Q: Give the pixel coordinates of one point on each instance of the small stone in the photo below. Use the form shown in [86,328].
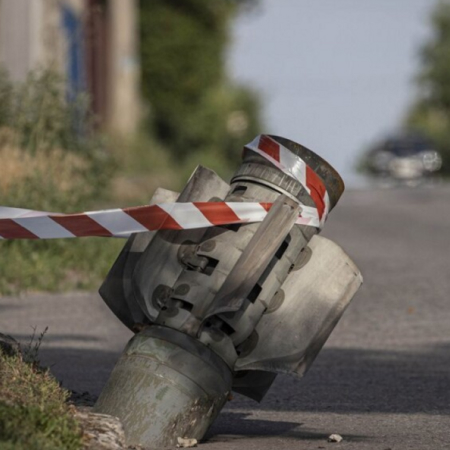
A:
[186,443]
[335,438]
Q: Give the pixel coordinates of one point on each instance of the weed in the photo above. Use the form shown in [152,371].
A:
[33,410]
[30,352]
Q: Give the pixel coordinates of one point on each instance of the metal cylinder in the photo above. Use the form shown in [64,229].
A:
[258,169]
[165,385]
[202,293]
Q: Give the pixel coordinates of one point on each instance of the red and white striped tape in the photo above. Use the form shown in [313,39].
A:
[294,166]
[18,223]
[26,224]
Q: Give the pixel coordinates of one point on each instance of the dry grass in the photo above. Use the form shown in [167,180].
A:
[50,161]
[19,167]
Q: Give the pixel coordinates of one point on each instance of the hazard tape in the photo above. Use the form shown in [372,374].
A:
[16,223]
[294,166]
[26,224]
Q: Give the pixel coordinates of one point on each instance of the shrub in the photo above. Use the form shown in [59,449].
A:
[430,112]
[192,101]
[51,159]
[34,414]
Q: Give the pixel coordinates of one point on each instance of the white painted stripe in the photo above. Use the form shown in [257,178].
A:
[293,165]
[290,164]
[310,221]
[186,215]
[44,227]
[117,222]
[327,208]
[303,221]
[248,212]
[11,213]
[255,142]
[310,214]
[309,211]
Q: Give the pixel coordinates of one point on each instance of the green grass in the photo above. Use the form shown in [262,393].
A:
[47,163]
[56,265]
[34,414]
[52,160]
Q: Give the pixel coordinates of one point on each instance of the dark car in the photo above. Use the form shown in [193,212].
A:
[405,156]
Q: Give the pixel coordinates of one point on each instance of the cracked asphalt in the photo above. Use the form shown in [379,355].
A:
[382,380]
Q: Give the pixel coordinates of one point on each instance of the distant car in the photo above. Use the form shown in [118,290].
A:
[406,156]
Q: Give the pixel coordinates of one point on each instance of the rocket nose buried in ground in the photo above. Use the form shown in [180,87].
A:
[214,297]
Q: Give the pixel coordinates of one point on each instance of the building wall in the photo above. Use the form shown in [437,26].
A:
[15,37]
[54,34]
[124,107]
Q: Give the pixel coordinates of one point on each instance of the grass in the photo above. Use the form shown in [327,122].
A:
[144,165]
[56,265]
[59,181]
[50,180]
[34,414]
[51,160]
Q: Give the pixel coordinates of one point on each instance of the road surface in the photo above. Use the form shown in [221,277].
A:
[383,379]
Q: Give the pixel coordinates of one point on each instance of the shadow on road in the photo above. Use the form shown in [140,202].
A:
[233,426]
[55,338]
[341,381]
[358,381]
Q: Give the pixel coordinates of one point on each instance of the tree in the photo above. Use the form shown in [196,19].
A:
[194,107]
[431,112]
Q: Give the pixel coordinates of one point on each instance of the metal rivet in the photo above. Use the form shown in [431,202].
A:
[182,289]
[208,246]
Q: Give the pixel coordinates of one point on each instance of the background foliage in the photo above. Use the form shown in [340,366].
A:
[431,112]
[51,160]
[196,111]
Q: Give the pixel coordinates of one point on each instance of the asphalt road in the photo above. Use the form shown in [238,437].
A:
[383,379]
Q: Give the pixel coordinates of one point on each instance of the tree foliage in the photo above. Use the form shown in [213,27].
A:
[431,112]
[194,107]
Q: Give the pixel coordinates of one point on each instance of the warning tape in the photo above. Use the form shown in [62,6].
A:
[16,223]
[292,165]
[124,222]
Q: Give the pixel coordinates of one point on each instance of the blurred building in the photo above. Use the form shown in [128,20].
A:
[93,43]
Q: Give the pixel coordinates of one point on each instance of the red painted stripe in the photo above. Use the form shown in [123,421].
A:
[12,230]
[266,206]
[153,218]
[218,213]
[269,146]
[318,190]
[81,225]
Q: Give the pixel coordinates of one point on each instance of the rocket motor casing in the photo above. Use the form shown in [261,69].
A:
[216,288]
